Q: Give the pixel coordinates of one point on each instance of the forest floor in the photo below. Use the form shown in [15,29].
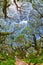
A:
[32,60]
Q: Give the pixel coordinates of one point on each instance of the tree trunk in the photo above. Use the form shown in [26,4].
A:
[16,4]
[4,8]
[34,38]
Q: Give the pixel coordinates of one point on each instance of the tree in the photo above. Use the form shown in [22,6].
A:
[5,8]
[16,4]
[35,24]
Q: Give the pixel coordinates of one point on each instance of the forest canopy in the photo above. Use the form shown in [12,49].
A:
[21,30]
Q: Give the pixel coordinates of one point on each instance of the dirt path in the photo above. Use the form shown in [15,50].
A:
[20,62]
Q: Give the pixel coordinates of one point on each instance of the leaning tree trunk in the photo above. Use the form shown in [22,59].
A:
[34,39]
[36,46]
[41,43]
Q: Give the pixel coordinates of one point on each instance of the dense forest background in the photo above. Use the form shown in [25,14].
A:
[21,31]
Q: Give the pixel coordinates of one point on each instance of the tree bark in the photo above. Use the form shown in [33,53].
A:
[4,8]
[16,4]
[34,38]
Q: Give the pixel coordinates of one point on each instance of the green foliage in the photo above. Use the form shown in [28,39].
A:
[3,36]
[26,30]
[5,33]
[23,38]
[8,61]
[20,39]
[34,59]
